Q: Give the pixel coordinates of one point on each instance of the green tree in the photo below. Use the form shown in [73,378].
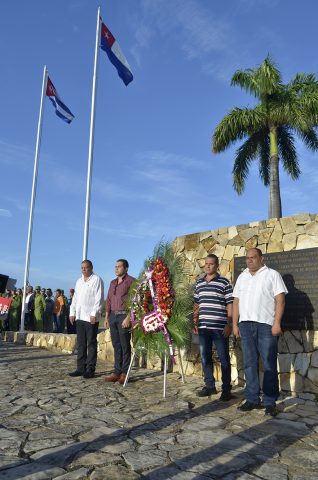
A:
[269,129]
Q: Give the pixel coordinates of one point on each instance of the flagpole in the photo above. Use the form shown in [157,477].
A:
[33,195]
[91,139]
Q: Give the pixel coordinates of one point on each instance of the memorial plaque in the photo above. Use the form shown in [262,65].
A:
[299,269]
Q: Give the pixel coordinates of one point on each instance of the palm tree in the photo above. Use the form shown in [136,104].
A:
[269,129]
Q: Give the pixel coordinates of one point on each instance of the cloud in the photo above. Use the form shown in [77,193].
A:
[5,213]
[190,25]
[15,156]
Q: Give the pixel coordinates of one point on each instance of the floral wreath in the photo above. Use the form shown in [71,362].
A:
[160,306]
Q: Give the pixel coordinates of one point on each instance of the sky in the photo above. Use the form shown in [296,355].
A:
[154,175]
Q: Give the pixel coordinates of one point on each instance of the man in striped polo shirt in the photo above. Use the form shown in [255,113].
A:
[212,319]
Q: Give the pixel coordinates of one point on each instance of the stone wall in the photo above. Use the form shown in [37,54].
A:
[298,350]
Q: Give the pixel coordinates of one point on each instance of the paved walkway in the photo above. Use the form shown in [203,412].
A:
[54,426]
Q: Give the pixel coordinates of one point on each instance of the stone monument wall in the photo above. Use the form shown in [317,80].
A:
[298,349]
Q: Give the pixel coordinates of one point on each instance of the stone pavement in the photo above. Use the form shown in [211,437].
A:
[54,426]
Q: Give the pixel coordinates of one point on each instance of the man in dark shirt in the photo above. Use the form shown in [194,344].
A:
[118,321]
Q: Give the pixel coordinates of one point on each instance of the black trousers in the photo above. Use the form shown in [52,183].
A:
[86,346]
[121,343]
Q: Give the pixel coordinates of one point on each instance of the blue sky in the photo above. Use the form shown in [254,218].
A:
[154,174]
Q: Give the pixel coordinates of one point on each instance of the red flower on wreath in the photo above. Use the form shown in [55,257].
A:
[163,288]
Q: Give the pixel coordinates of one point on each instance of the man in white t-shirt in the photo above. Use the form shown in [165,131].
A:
[258,307]
[85,310]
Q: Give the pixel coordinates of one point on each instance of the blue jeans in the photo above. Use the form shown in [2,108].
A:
[57,323]
[222,347]
[257,340]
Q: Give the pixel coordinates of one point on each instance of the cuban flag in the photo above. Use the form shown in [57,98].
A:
[115,55]
[61,109]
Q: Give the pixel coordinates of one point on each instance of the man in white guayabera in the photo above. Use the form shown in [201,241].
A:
[258,307]
[85,310]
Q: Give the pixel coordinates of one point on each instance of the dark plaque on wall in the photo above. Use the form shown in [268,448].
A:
[299,269]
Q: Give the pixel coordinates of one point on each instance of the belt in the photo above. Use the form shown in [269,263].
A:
[119,312]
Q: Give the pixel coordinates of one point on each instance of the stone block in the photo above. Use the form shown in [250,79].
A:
[191,241]
[60,341]
[293,345]
[273,247]
[286,362]
[302,218]
[277,233]
[289,241]
[306,241]
[219,250]
[314,359]
[288,224]
[224,267]
[313,375]
[222,240]
[197,269]
[291,382]
[200,252]
[312,229]
[248,233]
[29,339]
[301,364]
[309,340]
[271,222]
[263,248]
[309,386]
[179,244]
[223,231]
[229,252]
[209,243]
[237,240]
[207,234]
[241,252]
[300,229]
[252,242]
[265,235]
[242,226]
[232,232]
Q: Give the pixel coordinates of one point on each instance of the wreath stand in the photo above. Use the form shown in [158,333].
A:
[138,351]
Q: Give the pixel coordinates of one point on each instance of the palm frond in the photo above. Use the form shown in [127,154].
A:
[268,77]
[239,123]
[264,156]
[245,80]
[287,152]
[310,139]
[244,156]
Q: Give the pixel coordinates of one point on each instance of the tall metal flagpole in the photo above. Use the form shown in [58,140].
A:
[91,139]
[33,195]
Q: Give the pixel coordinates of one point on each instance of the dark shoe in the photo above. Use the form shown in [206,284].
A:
[271,411]
[226,396]
[112,378]
[122,378]
[88,374]
[77,373]
[248,406]
[207,392]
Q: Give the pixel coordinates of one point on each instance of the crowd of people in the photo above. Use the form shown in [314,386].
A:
[43,312]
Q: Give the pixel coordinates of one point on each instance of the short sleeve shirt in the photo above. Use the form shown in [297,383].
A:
[256,294]
[213,298]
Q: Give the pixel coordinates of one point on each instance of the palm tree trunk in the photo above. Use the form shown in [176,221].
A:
[275,204]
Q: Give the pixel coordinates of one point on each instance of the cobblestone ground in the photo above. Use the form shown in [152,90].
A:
[54,426]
